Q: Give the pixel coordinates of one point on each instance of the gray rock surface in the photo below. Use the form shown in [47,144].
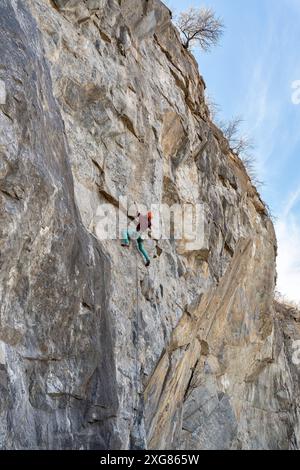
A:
[96,351]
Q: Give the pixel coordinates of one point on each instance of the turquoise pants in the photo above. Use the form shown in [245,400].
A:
[127,235]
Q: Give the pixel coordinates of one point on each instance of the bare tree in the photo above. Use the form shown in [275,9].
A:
[213,107]
[290,304]
[200,26]
[240,144]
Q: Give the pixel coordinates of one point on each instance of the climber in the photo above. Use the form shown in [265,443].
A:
[143,224]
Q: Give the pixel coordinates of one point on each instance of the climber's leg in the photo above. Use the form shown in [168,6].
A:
[125,238]
[128,235]
[142,250]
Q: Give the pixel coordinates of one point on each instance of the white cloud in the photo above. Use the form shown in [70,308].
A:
[269,97]
[291,202]
[296,92]
[288,262]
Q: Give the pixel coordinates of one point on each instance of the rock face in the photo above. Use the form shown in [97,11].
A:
[97,351]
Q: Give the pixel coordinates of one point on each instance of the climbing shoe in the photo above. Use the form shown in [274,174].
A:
[147,264]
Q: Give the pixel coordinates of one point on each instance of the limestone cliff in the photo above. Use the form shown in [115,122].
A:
[96,351]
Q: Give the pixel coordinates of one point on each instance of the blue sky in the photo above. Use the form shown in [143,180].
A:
[250,74]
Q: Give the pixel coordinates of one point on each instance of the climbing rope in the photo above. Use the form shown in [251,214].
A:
[136,404]
[137,328]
